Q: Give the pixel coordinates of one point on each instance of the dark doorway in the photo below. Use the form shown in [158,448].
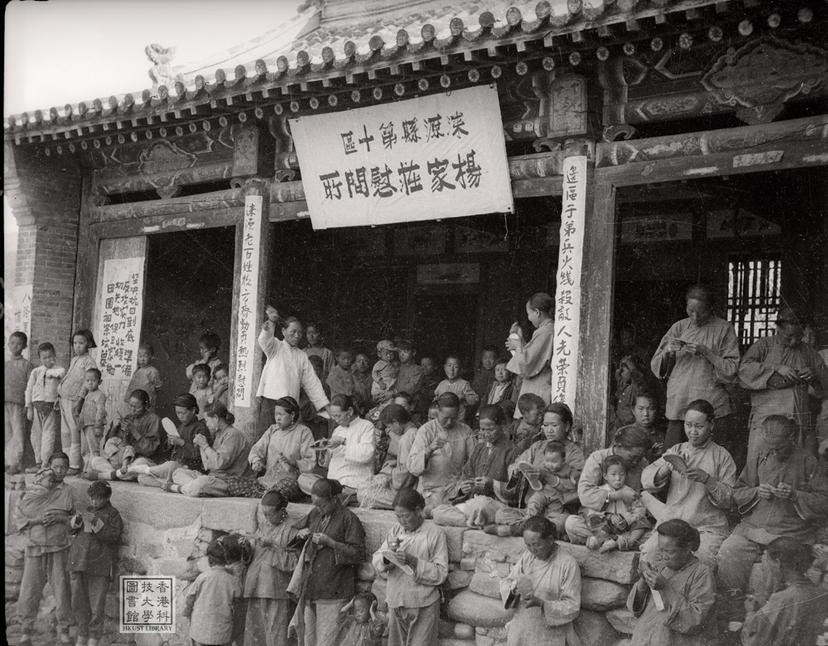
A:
[189,291]
[445,324]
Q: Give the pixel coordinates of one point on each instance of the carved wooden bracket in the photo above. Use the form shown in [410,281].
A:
[763,74]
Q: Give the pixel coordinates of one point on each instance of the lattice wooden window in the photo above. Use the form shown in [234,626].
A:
[753,296]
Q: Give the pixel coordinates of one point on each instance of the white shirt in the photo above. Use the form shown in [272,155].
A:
[352,464]
[286,371]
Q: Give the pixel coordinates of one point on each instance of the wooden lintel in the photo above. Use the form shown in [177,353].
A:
[536,187]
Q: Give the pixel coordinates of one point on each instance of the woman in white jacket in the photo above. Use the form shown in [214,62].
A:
[287,369]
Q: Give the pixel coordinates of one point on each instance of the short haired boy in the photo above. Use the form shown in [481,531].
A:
[411,376]
[555,480]
[92,560]
[17,374]
[41,404]
[221,385]
[91,417]
[454,383]
[146,376]
[621,523]
[340,379]
[484,375]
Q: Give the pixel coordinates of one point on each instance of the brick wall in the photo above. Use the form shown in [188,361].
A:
[46,197]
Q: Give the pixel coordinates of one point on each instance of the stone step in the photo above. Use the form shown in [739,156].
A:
[619,567]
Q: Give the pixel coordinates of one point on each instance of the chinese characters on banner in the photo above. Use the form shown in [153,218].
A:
[247,332]
[119,317]
[427,158]
[147,604]
[21,313]
[568,292]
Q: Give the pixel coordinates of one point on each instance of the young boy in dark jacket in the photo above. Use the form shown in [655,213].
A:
[92,560]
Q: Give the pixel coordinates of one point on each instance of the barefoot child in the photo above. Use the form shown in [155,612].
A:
[17,374]
[70,390]
[91,415]
[622,522]
[210,600]
[275,556]
[672,602]
[41,403]
[553,482]
[92,560]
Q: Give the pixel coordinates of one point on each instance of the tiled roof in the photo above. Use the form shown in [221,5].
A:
[310,49]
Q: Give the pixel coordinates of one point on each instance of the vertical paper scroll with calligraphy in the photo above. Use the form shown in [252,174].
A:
[119,317]
[426,158]
[19,313]
[247,329]
[568,292]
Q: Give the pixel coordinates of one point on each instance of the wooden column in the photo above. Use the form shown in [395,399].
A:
[597,288]
[249,313]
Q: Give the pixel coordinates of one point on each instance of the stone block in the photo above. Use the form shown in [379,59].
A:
[458,579]
[453,641]
[445,628]
[623,642]
[229,514]
[131,565]
[622,620]
[600,595]
[468,563]
[593,628]
[620,567]
[477,610]
[150,550]
[485,584]
[463,631]
[483,640]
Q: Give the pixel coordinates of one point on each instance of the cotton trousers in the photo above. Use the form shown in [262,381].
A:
[15,433]
[89,602]
[52,567]
[158,474]
[512,516]
[196,484]
[90,443]
[45,425]
[579,533]
[70,437]
[266,622]
[413,626]
[323,622]
[737,556]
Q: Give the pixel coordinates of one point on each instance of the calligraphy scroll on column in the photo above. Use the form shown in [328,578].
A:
[247,327]
[117,329]
[568,292]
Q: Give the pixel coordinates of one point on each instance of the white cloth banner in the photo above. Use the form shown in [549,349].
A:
[247,328]
[119,317]
[18,311]
[436,156]
[568,291]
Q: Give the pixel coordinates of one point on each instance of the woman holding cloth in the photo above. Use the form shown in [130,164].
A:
[533,360]
[546,584]
[415,574]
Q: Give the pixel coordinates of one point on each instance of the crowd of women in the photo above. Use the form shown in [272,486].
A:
[700,498]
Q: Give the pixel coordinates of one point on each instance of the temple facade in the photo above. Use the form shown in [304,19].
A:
[685,140]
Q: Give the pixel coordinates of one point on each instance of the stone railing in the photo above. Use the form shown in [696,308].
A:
[167,533]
